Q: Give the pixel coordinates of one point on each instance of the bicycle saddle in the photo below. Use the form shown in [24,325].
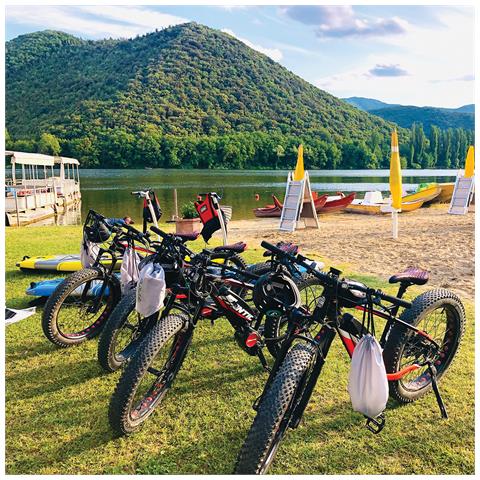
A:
[238,247]
[287,247]
[414,275]
[187,237]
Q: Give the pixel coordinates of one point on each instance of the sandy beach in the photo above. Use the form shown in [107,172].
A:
[429,238]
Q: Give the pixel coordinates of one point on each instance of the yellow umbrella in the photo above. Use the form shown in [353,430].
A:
[470,162]
[299,169]
[395,182]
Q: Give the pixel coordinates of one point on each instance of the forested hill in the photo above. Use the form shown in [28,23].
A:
[185,96]
[406,116]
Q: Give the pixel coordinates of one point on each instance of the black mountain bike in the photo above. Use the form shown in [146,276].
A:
[418,347]
[125,328]
[77,309]
[209,294]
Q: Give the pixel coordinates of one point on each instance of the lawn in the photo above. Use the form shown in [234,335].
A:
[57,401]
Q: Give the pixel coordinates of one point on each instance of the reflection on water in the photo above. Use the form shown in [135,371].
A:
[72,216]
[108,191]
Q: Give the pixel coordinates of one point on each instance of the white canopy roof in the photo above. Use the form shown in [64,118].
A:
[65,160]
[30,158]
[38,159]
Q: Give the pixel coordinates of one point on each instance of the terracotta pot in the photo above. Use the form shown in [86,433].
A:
[188,225]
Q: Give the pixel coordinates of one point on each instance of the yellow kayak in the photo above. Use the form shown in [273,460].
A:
[57,263]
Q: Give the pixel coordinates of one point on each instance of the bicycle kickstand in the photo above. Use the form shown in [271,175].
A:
[433,374]
[263,361]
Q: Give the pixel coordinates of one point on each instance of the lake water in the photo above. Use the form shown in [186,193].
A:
[108,191]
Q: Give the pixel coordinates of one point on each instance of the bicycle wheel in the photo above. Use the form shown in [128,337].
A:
[149,374]
[439,313]
[274,412]
[275,326]
[121,335]
[75,312]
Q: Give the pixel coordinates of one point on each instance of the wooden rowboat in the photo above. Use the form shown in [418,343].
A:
[336,203]
[275,210]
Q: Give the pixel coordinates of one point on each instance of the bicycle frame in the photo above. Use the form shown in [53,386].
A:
[350,331]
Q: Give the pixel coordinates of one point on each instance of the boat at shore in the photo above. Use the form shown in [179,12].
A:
[381,208]
[375,204]
[45,187]
[324,204]
[428,194]
[446,192]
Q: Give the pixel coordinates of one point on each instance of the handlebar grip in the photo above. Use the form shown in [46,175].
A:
[159,232]
[272,248]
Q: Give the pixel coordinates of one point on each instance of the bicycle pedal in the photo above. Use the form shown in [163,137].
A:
[375,425]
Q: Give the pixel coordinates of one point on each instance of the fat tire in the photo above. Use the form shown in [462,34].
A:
[123,396]
[272,409]
[55,302]
[399,336]
[106,353]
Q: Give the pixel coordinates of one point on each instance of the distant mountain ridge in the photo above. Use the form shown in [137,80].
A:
[406,115]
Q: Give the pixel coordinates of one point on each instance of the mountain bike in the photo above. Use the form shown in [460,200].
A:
[418,348]
[152,369]
[77,309]
[125,327]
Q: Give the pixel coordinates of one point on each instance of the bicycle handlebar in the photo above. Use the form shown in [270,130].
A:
[328,278]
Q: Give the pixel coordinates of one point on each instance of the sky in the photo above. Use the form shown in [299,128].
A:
[411,55]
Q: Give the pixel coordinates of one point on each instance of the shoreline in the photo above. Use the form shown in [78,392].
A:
[429,238]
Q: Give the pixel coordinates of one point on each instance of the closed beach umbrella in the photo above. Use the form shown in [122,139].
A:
[470,162]
[395,182]
[299,169]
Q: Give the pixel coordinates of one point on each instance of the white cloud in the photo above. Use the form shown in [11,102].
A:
[341,21]
[94,21]
[439,60]
[274,53]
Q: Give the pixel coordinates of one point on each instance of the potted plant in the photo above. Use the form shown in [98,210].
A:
[189,222]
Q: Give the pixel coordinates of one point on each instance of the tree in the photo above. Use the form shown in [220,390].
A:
[49,144]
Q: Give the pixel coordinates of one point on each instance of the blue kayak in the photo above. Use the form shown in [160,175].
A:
[46,287]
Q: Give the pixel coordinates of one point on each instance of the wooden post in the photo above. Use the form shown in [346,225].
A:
[16,206]
[175,204]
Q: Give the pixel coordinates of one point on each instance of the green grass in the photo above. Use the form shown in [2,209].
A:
[57,401]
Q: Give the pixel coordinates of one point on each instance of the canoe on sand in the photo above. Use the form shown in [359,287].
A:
[380,208]
[324,204]
[427,194]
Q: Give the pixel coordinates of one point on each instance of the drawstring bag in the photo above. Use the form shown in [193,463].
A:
[129,270]
[88,252]
[367,382]
[151,288]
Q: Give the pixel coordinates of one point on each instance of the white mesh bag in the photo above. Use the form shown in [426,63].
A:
[367,382]
[150,290]
[88,252]
[129,270]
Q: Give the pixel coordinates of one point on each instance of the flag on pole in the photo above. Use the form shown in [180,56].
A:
[395,174]
[299,168]
[470,163]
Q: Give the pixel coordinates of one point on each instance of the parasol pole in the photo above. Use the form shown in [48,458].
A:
[395,183]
